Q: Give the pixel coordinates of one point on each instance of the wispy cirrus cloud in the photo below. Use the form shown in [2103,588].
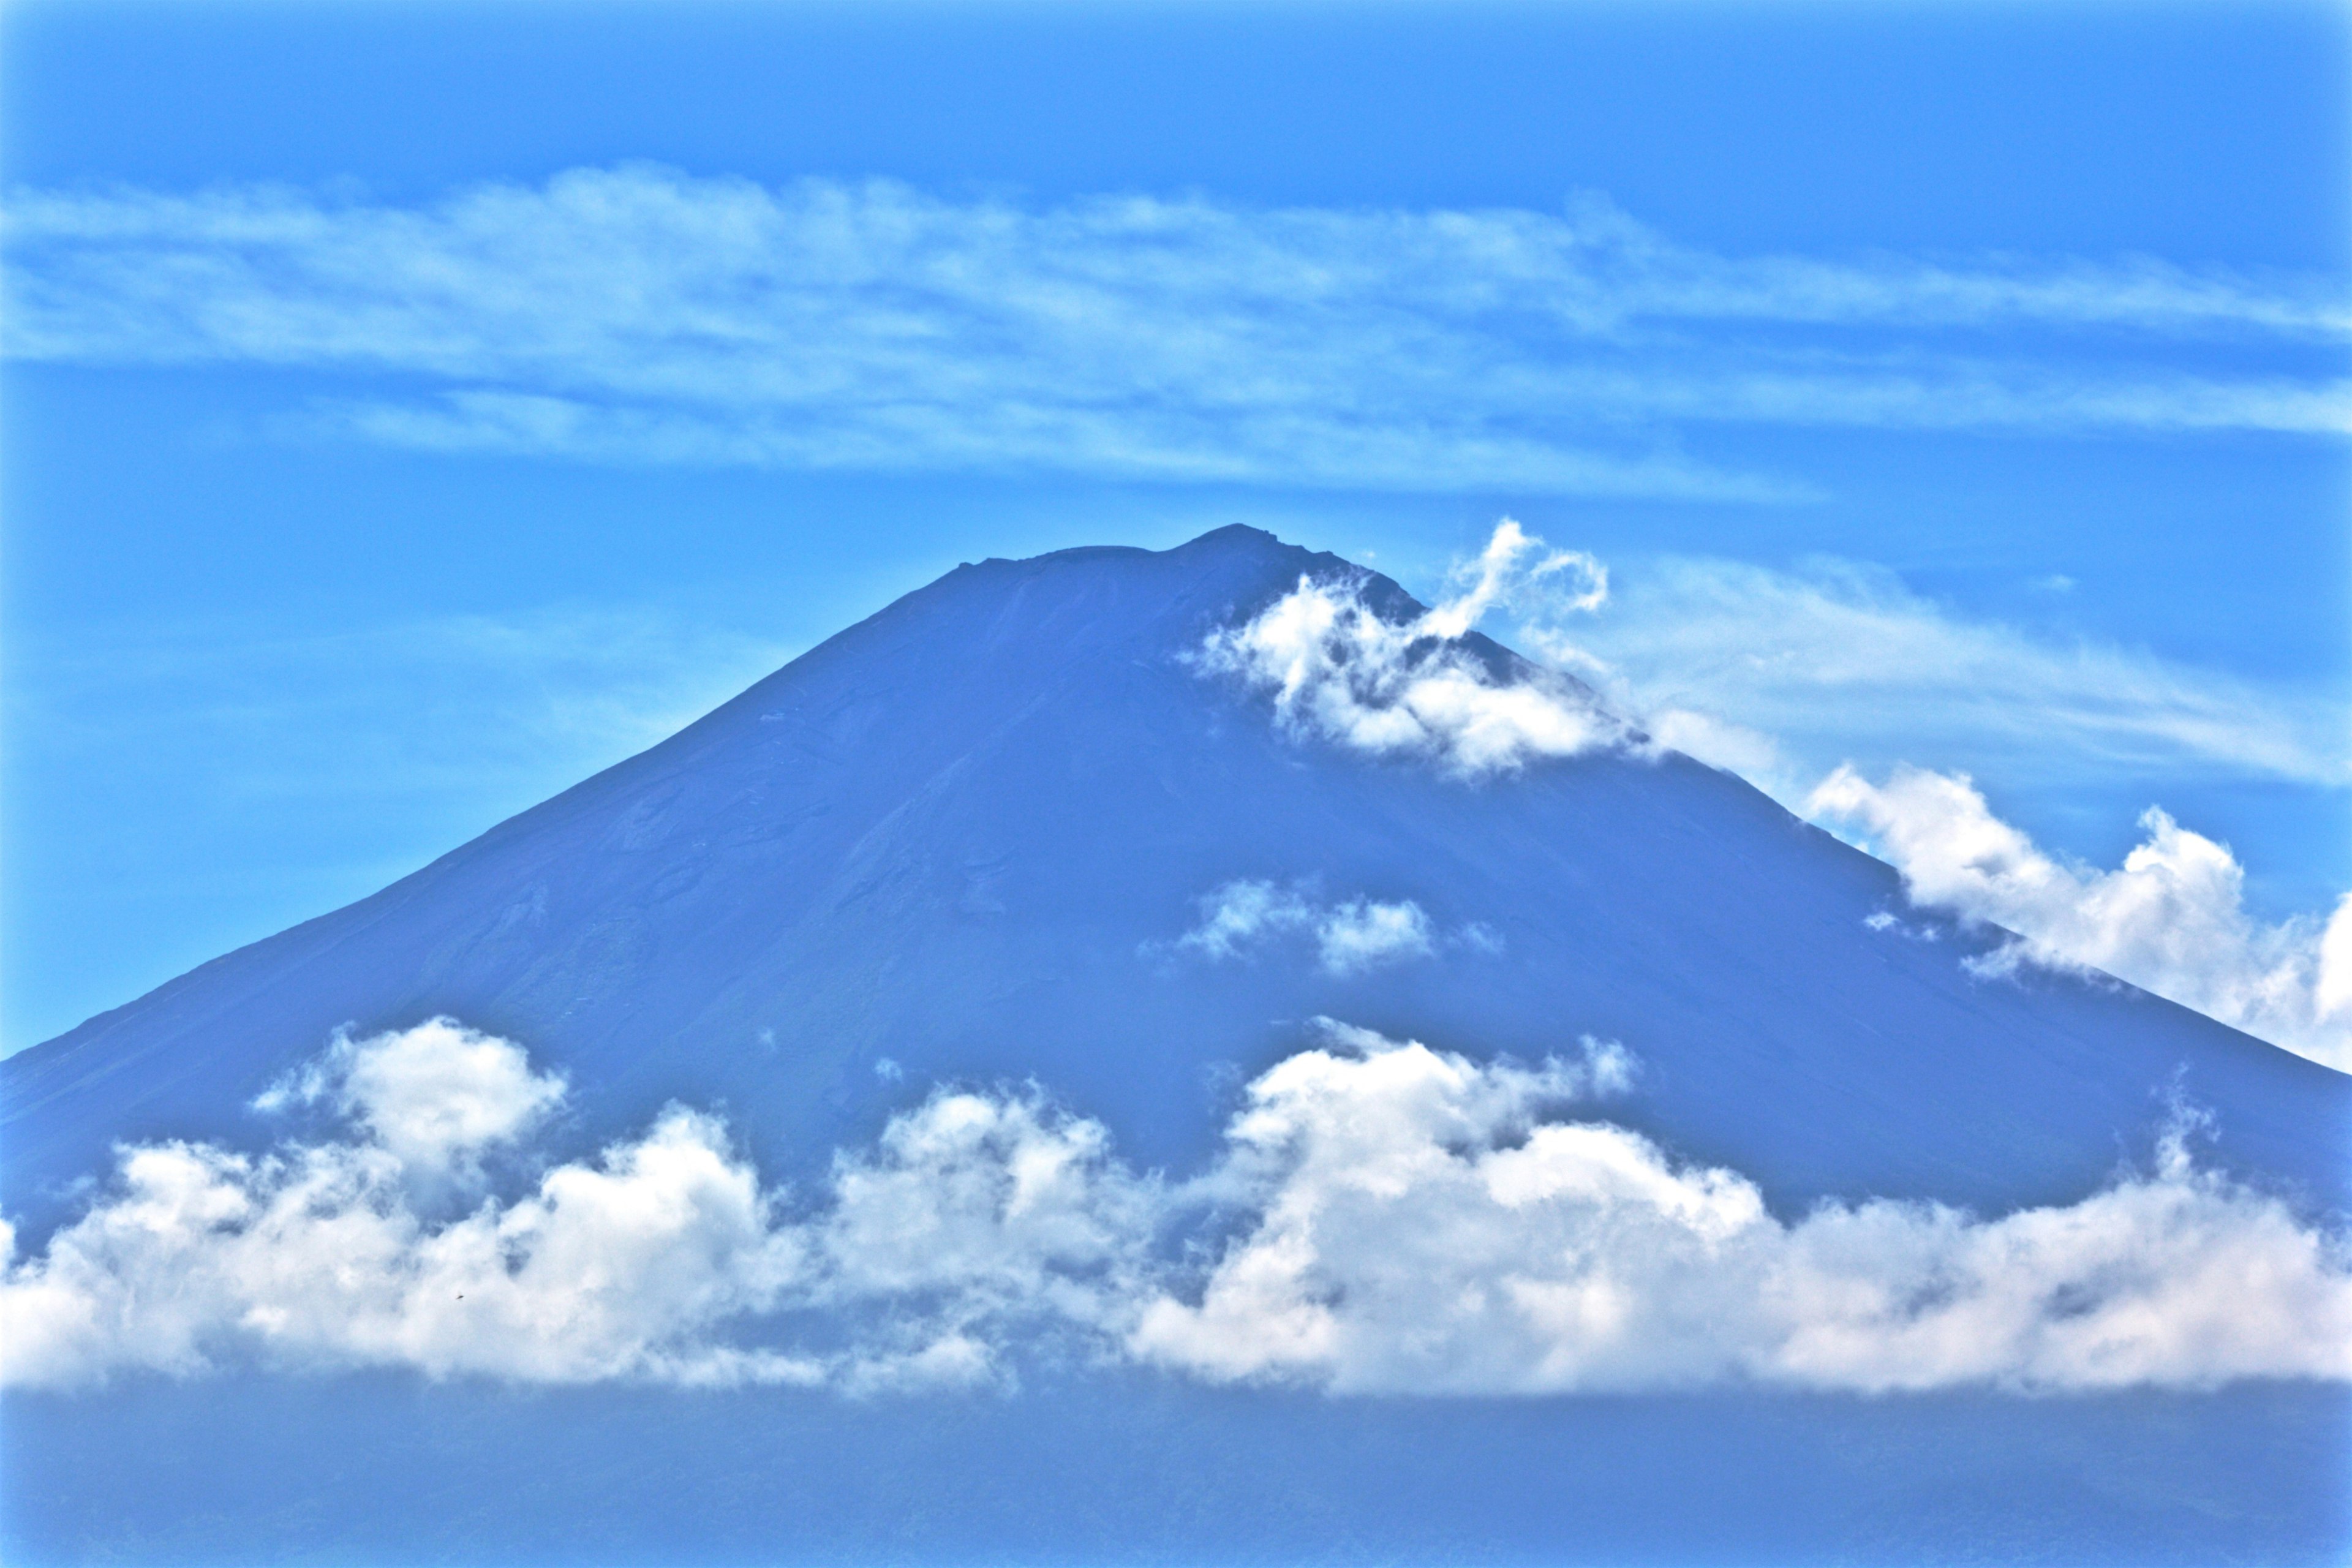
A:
[641,314]
[1380,1218]
[1781,673]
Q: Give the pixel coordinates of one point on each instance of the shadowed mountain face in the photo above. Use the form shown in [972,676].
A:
[962,837]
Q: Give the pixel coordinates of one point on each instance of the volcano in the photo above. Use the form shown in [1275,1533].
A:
[959,838]
[989,836]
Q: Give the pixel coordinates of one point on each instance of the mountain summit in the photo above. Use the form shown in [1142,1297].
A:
[991,832]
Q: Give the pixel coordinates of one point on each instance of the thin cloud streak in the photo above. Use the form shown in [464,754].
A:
[1302,446]
[1780,674]
[1776,675]
[642,315]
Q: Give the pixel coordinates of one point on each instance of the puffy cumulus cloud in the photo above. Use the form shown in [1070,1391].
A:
[1337,668]
[634,1264]
[314,1257]
[974,1213]
[1414,1222]
[1381,1218]
[2172,918]
[324,1254]
[1363,934]
[434,1097]
[1349,936]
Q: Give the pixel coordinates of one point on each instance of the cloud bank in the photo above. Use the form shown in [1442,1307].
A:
[1416,1223]
[1382,1218]
[2172,918]
[352,1252]
[1341,670]
[640,314]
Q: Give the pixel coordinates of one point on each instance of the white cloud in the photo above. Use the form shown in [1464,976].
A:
[979,1214]
[1362,934]
[1836,659]
[1777,675]
[1394,1219]
[642,314]
[321,1254]
[1416,1223]
[1340,670]
[2172,918]
[314,1257]
[1349,935]
[632,1265]
[1342,448]
[434,1097]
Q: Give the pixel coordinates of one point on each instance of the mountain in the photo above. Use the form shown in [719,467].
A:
[961,839]
[985,836]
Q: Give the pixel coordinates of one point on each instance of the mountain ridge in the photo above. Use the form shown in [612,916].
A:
[950,836]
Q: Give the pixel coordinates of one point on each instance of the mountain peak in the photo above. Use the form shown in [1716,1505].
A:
[969,836]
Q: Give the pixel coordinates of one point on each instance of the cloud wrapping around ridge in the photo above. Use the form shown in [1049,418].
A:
[1382,1218]
[2172,918]
[1350,936]
[1338,669]
[642,314]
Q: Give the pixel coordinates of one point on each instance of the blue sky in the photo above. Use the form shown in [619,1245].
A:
[411,410]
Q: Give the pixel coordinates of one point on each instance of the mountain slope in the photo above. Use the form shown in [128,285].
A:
[961,838]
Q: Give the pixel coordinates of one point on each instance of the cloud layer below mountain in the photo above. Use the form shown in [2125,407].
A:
[640,314]
[1382,1218]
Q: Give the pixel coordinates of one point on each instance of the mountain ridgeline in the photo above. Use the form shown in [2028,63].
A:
[960,841]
